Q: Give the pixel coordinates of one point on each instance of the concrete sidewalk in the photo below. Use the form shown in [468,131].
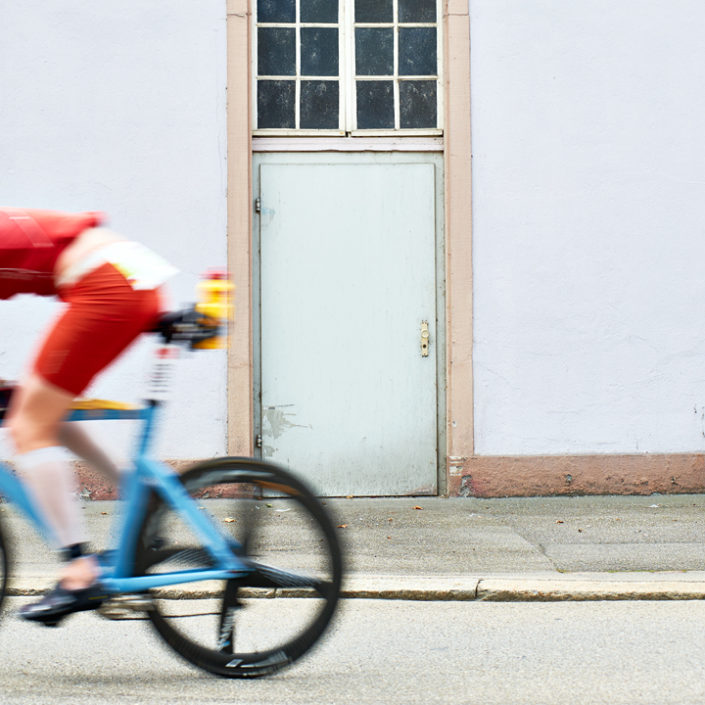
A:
[559,548]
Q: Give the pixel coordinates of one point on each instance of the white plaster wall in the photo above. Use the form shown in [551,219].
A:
[120,107]
[588,124]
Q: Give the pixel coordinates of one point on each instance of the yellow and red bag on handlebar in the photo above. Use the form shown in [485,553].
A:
[215,294]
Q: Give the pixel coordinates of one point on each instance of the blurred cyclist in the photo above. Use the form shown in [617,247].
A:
[112,288]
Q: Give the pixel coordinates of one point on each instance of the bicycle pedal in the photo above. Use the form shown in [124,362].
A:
[125,606]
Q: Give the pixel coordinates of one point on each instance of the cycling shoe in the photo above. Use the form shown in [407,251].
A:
[60,602]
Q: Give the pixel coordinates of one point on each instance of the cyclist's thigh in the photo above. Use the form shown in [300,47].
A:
[104,315]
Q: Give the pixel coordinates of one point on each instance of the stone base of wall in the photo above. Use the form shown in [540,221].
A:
[92,485]
[528,476]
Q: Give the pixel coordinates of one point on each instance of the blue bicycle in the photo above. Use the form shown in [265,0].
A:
[236,563]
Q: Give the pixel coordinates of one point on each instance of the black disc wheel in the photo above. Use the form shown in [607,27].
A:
[256,624]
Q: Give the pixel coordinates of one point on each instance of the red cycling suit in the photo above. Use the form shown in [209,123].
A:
[105,311]
[31,242]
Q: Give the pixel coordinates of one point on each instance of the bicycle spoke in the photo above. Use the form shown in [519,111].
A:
[181,558]
[249,525]
[265,576]
[226,623]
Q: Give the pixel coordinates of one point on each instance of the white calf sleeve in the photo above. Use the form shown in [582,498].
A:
[81,444]
[52,484]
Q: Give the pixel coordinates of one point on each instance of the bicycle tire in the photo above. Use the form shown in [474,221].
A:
[250,497]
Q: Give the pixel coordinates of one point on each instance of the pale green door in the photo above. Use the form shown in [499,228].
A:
[348,287]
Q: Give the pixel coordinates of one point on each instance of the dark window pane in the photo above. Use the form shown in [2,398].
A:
[417,51]
[375,105]
[417,104]
[276,51]
[319,105]
[374,51]
[275,104]
[319,51]
[417,11]
[276,10]
[319,11]
[374,11]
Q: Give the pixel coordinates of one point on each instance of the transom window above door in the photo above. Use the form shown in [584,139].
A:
[347,66]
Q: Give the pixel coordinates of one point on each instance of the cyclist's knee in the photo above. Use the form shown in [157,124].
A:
[27,435]
[35,414]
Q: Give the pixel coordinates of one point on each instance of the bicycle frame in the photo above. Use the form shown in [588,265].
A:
[117,565]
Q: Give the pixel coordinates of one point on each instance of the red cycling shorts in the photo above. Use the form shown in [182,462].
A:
[104,315]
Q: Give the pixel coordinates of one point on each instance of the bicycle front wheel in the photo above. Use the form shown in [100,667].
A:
[257,624]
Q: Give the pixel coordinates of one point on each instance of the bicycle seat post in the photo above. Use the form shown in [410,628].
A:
[159,386]
[161,375]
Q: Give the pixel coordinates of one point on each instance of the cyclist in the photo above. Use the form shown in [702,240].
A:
[112,289]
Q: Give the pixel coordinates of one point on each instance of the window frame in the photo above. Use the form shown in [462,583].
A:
[347,78]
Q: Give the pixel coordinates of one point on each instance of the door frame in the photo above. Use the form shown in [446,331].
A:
[456,145]
[334,158]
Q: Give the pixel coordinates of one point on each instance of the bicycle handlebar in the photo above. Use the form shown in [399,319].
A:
[187,327]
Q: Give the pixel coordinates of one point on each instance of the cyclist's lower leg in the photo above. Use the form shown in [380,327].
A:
[75,439]
[33,422]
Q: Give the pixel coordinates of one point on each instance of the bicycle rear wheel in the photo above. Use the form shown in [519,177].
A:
[254,625]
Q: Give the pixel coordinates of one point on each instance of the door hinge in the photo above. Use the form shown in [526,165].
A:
[258,205]
[258,440]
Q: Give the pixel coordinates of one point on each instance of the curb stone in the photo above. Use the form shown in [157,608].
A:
[528,590]
[462,589]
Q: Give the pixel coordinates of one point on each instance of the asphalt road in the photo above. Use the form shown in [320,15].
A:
[385,652]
